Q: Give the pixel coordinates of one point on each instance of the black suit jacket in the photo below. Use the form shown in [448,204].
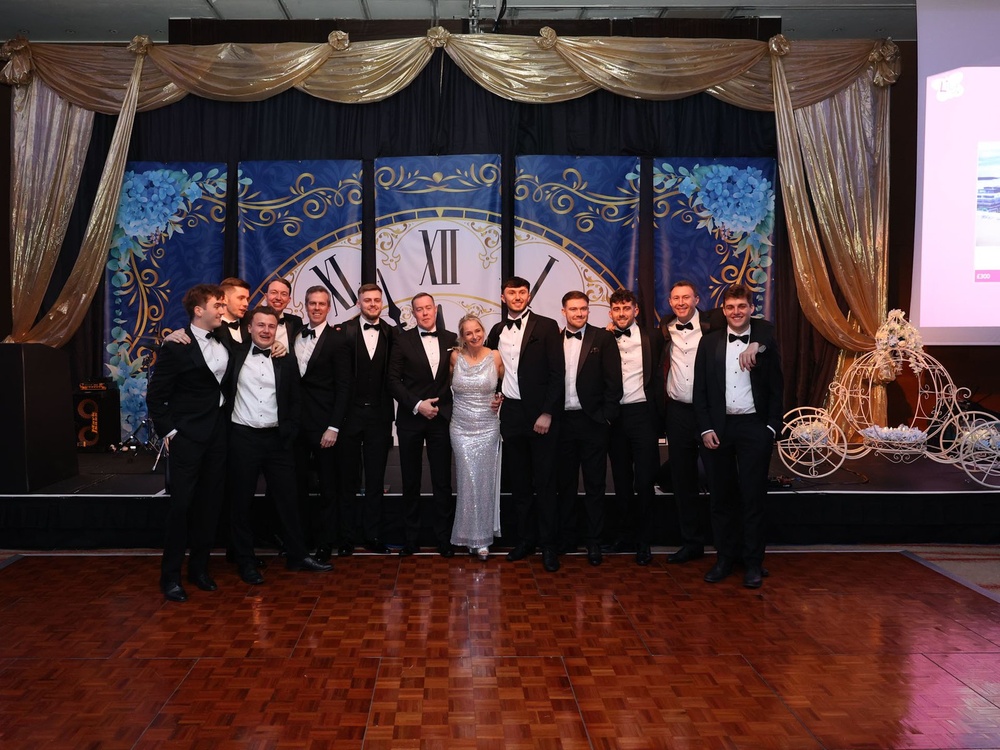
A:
[348,339]
[326,383]
[226,334]
[411,379]
[710,379]
[541,369]
[286,382]
[183,393]
[293,324]
[599,375]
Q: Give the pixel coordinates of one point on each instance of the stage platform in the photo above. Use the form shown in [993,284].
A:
[118,501]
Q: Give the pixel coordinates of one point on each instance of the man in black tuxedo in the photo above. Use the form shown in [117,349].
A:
[532,392]
[593,392]
[682,332]
[739,413]
[635,432]
[237,293]
[418,380]
[325,382]
[277,296]
[186,400]
[266,406]
[366,435]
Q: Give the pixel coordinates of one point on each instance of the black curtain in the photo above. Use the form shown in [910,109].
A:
[444,112]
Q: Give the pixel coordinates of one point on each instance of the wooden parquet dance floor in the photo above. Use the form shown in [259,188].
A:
[858,650]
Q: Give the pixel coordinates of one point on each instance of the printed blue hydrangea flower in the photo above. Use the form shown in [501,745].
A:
[150,201]
[738,199]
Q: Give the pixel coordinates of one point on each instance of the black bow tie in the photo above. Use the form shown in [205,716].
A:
[234,324]
[308,333]
[429,333]
[212,336]
[257,350]
[577,335]
[626,332]
[689,326]
[371,326]
[281,320]
[745,338]
[514,322]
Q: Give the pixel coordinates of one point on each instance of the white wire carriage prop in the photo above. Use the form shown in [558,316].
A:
[813,443]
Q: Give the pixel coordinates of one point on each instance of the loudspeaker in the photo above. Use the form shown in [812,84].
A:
[36,417]
[96,416]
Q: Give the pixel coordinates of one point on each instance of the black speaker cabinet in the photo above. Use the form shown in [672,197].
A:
[36,417]
[97,417]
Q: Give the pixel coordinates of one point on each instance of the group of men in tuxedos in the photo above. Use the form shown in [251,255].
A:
[265,393]
[237,394]
[724,395]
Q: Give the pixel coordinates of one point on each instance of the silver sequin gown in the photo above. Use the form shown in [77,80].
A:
[475,441]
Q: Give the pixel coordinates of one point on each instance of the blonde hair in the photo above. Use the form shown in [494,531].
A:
[468,319]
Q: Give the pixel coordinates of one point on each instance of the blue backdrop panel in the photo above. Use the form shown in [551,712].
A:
[577,227]
[301,220]
[168,237]
[714,226]
[437,222]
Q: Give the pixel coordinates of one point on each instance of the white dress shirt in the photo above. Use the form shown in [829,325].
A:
[510,355]
[739,395]
[630,349]
[256,402]
[683,348]
[571,351]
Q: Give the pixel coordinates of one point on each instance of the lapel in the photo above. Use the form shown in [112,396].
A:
[589,333]
[196,353]
[443,354]
[276,364]
[321,340]
[720,361]
[529,326]
[647,357]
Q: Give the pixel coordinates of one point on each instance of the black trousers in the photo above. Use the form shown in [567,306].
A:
[685,447]
[412,437]
[318,512]
[583,449]
[362,450]
[529,469]
[197,486]
[633,447]
[737,480]
[252,452]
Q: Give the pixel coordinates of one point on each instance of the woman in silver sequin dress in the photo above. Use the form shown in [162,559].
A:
[475,438]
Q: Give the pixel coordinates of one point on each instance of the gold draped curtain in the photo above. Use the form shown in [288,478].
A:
[830,101]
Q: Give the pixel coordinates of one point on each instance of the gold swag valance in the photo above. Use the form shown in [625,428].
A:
[830,100]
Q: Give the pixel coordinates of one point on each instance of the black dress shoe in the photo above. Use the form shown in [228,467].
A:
[687,553]
[203,581]
[345,550]
[377,546]
[408,549]
[722,569]
[173,592]
[250,574]
[446,550]
[323,553]
[753,578]
[643,556]
[594,556]
[550,560]
[520,552]
[310,564]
